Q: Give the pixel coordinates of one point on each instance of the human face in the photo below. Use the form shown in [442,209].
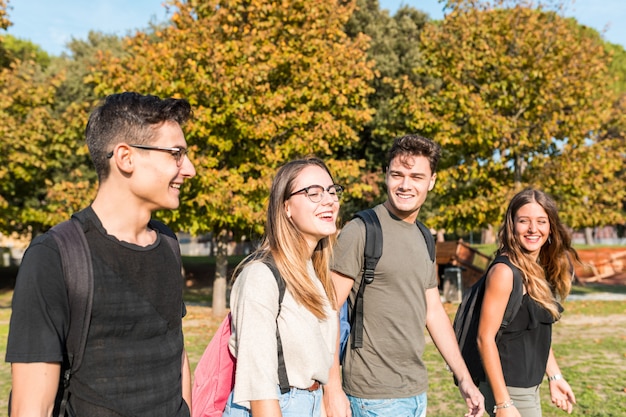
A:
[532,228]
[408,180]
[314,220]
[158,175]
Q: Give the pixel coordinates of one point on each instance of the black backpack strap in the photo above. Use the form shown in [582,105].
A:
[428,237]
[283,380]
[373,251]
[78,274]
[169,236]
[517,294]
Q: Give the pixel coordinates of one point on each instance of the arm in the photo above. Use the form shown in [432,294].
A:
[335,400]
[498,288]
[186,379]
[441,331]
[34,388]
[561,393]
[265,408]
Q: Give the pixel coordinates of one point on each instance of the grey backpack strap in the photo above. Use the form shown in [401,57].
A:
[78,275]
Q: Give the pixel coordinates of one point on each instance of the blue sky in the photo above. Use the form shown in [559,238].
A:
[52,23]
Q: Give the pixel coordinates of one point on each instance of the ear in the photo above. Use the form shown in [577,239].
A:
[433,179]
[123,158]
[288,209]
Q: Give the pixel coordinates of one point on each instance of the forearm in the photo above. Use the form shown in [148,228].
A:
[493,368]
[552,367]
[34,388]
[186,379]
[442,334]
[265,408]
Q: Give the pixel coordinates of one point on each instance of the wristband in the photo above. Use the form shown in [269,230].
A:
[555,377]
[506,404]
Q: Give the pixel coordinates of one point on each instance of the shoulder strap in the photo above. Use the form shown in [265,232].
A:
[78,275]
[428,237]
[373,251]
[282,370]
[168,236]
[517,293]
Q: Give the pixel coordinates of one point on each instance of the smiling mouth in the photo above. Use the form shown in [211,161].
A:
[176,186]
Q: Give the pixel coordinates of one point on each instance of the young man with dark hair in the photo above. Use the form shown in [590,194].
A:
[387,376]
[134,361]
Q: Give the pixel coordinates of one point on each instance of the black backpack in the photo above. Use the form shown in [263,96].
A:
[468,316]
[78,275]
[372,253]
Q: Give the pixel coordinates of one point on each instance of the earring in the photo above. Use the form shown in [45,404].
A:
[549,240]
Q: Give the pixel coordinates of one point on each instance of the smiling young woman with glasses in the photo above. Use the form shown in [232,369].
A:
[298,238]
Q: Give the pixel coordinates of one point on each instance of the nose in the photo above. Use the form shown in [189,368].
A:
[327,199]
[187,169]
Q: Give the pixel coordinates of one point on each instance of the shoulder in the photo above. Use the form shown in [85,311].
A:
[499,277]
[256,278]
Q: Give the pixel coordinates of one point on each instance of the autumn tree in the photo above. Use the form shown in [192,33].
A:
[28,129]
[516,87]
[268,81]
[394,50]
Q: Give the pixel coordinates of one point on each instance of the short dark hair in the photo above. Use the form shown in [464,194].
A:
[129,117]
[415,145]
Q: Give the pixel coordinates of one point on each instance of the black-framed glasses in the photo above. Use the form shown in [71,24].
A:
[177,153]
[315,193]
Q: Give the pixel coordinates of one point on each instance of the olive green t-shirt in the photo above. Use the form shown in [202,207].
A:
[389,365]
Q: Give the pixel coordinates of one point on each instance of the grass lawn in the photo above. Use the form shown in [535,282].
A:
[590,344]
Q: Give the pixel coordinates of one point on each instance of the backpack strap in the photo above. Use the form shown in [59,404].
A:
[428,237]
[517,294]
[283,380]
[373,252]
[78,275]
[169,236]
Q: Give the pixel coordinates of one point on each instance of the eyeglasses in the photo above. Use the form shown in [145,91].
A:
[177,153]
[316,192]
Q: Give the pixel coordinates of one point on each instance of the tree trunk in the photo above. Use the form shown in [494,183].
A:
[221,270]
[488,236]
[589,236]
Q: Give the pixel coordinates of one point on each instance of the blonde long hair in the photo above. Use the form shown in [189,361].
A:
[548,280]
[288,247]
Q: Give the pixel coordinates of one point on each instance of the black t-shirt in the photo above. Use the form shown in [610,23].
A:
[132,361]
[525,345]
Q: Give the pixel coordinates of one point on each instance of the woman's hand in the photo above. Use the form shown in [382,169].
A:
[562,395]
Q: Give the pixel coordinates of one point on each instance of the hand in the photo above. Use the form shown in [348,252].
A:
[473,398]
[562,395]
[336,402]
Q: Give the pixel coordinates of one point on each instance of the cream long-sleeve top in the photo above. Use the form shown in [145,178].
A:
[308,342]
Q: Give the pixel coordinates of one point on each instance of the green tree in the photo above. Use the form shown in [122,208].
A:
[268,81]
[513,88]
[394,48]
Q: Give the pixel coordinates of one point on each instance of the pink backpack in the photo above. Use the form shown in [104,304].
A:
[214,377]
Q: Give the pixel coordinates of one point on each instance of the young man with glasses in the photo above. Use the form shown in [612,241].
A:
[134,361]
[387,376]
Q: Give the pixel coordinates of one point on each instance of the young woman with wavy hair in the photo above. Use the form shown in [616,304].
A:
[536,243]
[301,226]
